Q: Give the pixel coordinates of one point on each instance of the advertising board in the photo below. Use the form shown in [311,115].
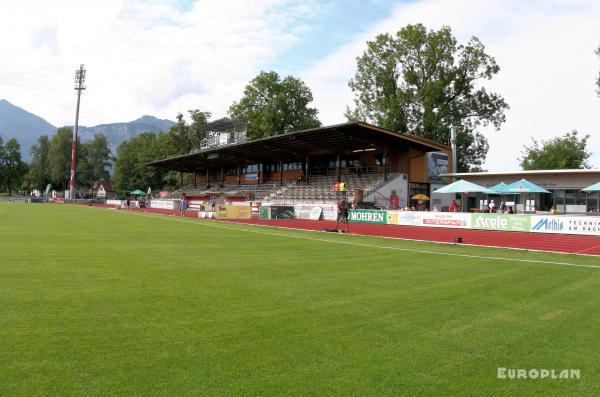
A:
[507,223]
[392,218]
[437,165]
[233,212]
[329,212]
[582,225]
[434,219]
[282,212]
[164,204]
[368,216]
[307,211]
[447,219]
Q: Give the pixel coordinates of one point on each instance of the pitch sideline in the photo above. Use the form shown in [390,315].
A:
[220,225]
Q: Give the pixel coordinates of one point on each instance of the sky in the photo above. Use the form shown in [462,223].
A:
[165,57]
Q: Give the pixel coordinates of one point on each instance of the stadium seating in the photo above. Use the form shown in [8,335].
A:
[320,189]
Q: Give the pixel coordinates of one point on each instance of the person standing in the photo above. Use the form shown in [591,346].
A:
[453,206]
[182,206]
[343,215]
[492,206]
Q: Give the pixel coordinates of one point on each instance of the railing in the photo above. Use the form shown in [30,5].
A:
[381,201]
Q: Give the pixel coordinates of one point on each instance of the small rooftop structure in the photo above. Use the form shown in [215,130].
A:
[223,132]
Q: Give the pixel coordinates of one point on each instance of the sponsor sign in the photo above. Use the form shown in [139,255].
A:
[447,219]
[392,218]
[233,212]
[312,212]
[282,212]
[584,225]
[434,219]
[437,164]
[164,204]
[368,216]
[410,218]
[264,212]
[329,212]
[508,223]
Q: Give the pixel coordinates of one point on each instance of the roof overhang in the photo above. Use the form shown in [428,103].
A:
[295,146]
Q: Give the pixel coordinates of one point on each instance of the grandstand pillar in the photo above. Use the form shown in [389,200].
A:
[222,176]
[386,161]
[239,174]
[181,180]
[306,173]
[259,174]
[337,168]
[281,172]
[195,184]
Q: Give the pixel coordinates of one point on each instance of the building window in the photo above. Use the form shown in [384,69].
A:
[570,197]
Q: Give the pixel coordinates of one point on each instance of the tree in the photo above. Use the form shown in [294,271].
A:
[272,106]
[183,137]
[567,152]
[2,161]
[133,155]
[423,82]
[39,170]
[14,168]
[94,161]
[197,128]
[59,157]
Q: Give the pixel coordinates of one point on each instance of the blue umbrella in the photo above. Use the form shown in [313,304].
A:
[501,188]
[462,186]
[592,188]
[524,186]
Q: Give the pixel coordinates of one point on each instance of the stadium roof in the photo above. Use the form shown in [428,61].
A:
[295,146]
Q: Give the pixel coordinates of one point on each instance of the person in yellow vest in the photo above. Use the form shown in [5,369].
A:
[342,187]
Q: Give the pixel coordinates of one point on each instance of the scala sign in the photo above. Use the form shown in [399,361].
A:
[509,223]
[367,216]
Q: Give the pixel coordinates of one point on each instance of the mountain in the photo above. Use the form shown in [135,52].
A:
[27,127]
[119,132]
[24,126]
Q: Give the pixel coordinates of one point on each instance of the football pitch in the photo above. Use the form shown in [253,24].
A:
[99,302]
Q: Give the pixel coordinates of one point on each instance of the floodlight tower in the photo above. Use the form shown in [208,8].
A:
[79,86]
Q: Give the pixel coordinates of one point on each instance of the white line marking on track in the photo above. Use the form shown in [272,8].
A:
[220,225]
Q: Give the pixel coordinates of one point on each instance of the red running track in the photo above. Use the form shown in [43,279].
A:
[565,243]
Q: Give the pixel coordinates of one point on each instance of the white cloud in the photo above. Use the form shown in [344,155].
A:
[155,57]
[143,57]
[545,50]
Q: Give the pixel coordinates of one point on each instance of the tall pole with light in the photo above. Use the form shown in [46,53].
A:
[79,86]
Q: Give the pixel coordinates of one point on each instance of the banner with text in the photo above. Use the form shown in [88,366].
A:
[164,204]
[368,216]
[234,212]
[433,219]
[583,225]
[507,223]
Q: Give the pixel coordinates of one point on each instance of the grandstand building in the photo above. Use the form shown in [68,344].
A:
[303,166]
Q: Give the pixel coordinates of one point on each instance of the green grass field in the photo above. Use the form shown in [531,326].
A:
[99,302]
